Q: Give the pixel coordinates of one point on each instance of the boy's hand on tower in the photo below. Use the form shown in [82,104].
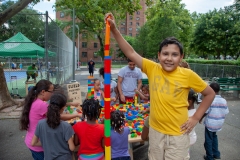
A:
[189,125]
[110,18]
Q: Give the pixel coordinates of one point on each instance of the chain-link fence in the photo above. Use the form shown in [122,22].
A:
[45,45]
[213,70]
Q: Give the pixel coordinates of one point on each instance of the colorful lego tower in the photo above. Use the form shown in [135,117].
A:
[107,86]
[90,87]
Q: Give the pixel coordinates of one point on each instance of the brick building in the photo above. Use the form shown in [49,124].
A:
[130,26]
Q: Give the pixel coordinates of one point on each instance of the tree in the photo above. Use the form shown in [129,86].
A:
[217,33]
[131,41]
[5,15]
[165,19]
[90,14]
[141,41]
[26,21]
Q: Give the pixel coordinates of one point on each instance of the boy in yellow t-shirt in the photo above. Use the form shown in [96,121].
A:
[169,85]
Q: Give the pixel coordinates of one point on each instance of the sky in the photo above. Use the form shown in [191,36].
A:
[200,6]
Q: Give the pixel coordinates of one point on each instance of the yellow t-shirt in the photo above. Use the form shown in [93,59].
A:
[169,94]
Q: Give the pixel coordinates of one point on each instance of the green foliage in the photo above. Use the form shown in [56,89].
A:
[165,19]
[217,33]
[27,21]
[91,13]
[131,41]
[141,41]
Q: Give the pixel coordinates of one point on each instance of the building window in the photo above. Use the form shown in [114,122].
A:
[84,35]
[130,29]
[84,54]
[130,23]
[95,36]
[122,28]
[95,45]
[137,29]
[131,17]
[95,54]
[138,12]
[130,34]
[137,24]
[123,23]
[61,15]
[84,44]
[137,18]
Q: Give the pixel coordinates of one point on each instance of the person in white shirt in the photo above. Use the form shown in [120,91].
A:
[192,98]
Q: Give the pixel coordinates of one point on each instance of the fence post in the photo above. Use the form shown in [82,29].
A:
[46,45]
[73,40]
[207,71]
[222,71]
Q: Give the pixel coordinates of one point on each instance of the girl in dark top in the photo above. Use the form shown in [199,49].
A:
[54,135]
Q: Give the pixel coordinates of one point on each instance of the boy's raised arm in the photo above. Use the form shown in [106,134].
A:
[123,44]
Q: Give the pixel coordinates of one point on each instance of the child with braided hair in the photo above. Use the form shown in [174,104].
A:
[119,137]
[89,134]
[54,135]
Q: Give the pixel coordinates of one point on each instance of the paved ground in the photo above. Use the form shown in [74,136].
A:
[12,145]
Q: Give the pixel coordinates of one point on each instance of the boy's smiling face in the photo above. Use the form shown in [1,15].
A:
[170,57]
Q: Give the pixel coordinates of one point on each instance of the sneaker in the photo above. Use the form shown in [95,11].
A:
[205,157]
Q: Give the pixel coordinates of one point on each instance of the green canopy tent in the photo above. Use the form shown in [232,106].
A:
[20,46]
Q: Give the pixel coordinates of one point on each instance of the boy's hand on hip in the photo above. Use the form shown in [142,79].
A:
[189,125]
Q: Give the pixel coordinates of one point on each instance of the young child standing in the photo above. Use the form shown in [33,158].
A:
[54,135]
[169,86]
[98,93]
[212,124]
[119,137]
[113,92]
[144,93]
[35,109]
[89,134]
[192,98]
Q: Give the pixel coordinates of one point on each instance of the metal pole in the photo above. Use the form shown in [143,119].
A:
[73,40]
[78,50]
[46,44]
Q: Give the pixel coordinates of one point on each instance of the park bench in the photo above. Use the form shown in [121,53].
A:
[229,84]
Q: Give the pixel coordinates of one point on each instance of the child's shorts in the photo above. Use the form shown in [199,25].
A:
[98,156]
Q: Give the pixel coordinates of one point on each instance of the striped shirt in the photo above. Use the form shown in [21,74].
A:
[216,114]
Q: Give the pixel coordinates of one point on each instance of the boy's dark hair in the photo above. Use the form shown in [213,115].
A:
[57,102]
[91,109]
[129,60]
[101,72]
[215,86]
[171,40]
[32,95]
[117,120]
[192,96]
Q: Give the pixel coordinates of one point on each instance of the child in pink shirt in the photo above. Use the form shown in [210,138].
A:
[35,109]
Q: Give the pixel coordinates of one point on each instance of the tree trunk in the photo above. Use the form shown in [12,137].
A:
[101,46]
[12,10]
[5,98]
